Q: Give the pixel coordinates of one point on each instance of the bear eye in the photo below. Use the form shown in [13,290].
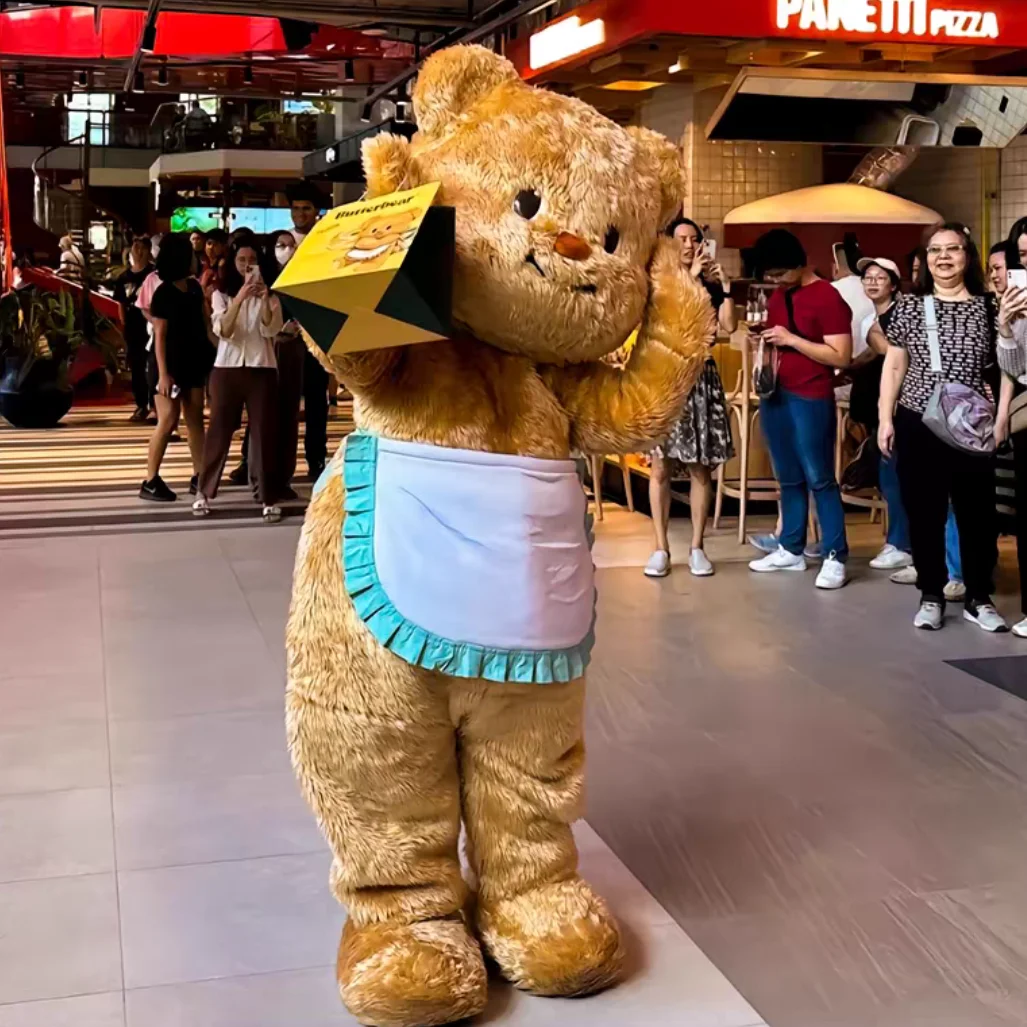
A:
[527,203]
[612,239]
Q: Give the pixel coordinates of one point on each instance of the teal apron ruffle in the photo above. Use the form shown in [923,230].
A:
[400,636]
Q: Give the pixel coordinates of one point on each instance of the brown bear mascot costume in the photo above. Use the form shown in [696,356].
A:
[443,598]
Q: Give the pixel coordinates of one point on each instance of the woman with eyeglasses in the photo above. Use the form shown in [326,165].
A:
[882,284]
[952,286]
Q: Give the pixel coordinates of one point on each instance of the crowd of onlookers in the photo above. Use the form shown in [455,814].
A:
[203,329]
[934,375]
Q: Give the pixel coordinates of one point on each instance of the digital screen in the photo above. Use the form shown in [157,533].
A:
[262,220]
[299,107]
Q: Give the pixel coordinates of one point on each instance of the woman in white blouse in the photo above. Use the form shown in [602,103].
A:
[246,319]
[1012,358]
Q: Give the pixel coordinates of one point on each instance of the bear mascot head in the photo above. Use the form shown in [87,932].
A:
[443,604]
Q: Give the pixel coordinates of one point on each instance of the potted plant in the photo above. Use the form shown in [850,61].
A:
[40,333]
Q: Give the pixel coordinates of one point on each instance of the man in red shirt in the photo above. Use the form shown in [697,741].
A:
[811,327]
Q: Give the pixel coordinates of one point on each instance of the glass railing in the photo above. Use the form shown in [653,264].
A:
[168,132]
[282,132]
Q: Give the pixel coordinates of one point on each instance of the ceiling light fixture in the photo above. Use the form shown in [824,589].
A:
[19,79]
[365,114]
[631,86]
[349,70]
[83,79]
[139,83]
[247,74]
[162,75]
[149,41]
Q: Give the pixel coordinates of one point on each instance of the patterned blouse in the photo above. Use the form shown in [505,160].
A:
[967,336]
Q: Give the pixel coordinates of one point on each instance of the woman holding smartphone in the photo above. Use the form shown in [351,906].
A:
[179,361]
[951,292]
[1012,358]
[246,320]
[701,440]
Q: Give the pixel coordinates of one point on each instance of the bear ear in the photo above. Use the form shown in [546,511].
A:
[454,80]
[670,170]
[388,164]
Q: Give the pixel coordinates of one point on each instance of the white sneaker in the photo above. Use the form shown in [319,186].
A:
[699,564]
[929,617]
[658,565]
[986,617]
[272,514]
[906,576]
[832,574]
[955,591]
[1020,628]
[779,560]
[201,508]
[891,559]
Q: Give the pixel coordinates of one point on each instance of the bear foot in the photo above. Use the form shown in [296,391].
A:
[558,940]
[416,975]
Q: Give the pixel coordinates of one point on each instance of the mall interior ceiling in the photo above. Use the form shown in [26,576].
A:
[328,44]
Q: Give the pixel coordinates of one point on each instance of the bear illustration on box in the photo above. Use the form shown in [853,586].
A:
[443,607]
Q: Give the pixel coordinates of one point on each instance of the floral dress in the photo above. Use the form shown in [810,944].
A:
[703,434]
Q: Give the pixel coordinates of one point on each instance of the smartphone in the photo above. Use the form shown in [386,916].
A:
[1017,278]
[710,249]
[175,392]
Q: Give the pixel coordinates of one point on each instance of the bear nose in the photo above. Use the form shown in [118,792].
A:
[573,247]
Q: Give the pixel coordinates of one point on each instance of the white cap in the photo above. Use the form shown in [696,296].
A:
[889,265]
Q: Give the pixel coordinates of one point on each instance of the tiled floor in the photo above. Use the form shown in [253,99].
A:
[157,866]
[833,812]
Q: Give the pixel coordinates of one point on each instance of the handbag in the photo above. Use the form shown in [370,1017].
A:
[961,417]
[1018,414]
[863,472]
[767,359]
[765,364]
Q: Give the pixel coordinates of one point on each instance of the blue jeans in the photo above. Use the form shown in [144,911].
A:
[898,522]
[953,559]
[800,434]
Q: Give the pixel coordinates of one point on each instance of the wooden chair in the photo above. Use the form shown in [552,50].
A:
[596,464]
[744,408]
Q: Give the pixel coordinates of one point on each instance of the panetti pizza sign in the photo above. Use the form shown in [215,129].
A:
[918,19]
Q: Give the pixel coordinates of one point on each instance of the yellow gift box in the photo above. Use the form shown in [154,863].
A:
[374,273]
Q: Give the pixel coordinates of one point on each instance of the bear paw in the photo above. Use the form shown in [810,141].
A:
[558,940]
[416,975]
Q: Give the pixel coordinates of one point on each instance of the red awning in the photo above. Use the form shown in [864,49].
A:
[71,32]
[985,23]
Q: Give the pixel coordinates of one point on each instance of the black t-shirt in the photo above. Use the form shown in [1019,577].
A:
[126,290]
[716,291]
[190,354]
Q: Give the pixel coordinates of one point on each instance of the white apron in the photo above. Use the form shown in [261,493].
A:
[472,564]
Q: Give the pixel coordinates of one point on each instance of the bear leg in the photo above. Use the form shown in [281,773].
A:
[522,763]
[374,748]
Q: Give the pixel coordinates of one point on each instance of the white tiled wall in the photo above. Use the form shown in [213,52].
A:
[965,185]
[1013,194]
[956,183]
[724,175]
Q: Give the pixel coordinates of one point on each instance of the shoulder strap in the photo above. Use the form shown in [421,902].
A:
[790,307]
[933,342]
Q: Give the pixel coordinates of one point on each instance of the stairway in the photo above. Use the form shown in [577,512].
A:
[83,477]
